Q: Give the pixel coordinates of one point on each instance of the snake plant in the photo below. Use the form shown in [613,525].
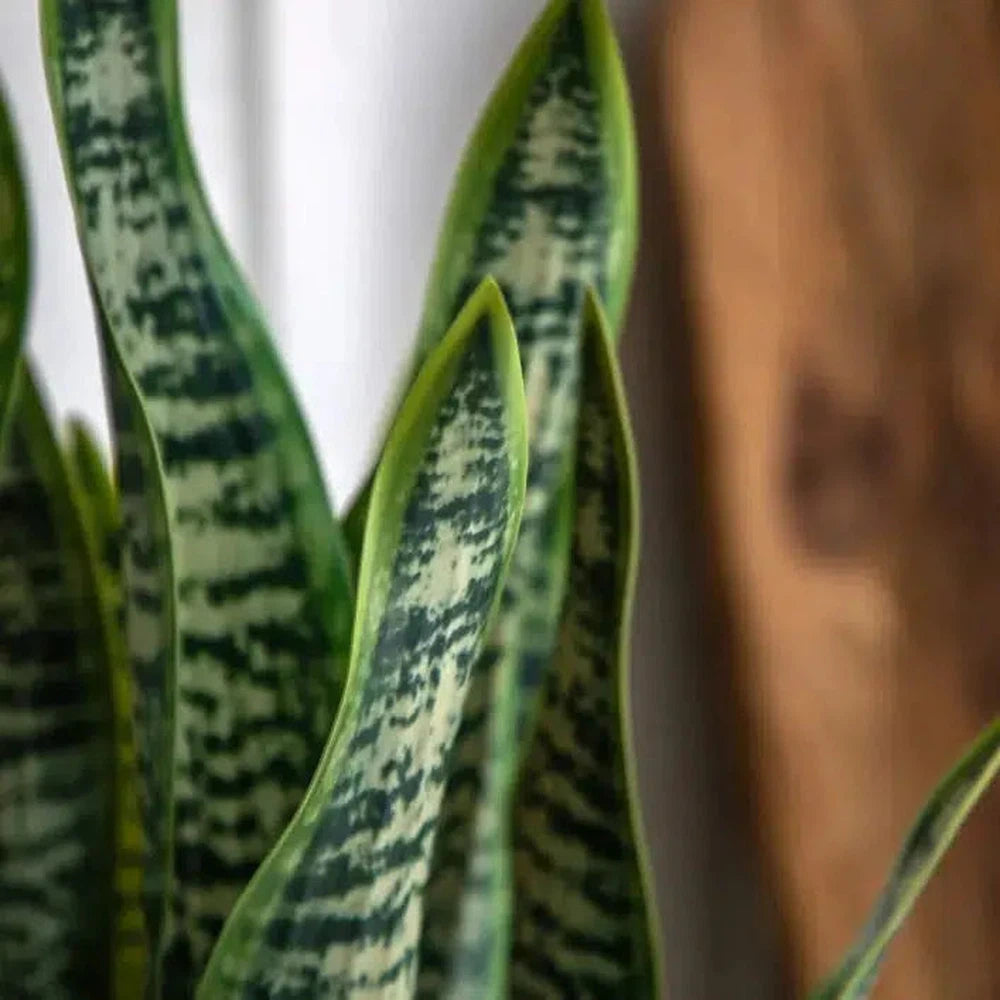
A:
[248,751]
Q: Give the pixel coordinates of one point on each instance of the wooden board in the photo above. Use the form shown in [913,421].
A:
[838,167]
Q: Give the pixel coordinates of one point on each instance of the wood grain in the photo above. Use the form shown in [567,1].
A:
[838,166]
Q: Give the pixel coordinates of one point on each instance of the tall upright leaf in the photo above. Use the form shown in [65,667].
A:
[94,496]
[237,594]
[545,199]
[936,828]
[581,926]
[14,262]
[337,910]
[572,846]
[55,796]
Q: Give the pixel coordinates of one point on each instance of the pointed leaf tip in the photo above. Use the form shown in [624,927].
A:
[337,906]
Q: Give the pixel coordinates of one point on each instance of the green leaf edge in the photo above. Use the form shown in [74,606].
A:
[494,133]
[93,492]
[416,417]
[14,306]
[483,155]
[397,471]
[609,370]
[120,380]
[94,479]
[268,366]
[856,975]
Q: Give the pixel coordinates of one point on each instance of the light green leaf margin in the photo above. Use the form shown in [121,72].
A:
[934,832]
[238,647]
[584,920]
[94,497]
[336,909]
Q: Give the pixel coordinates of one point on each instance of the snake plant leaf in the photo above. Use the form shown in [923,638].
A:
[56,815]
[238,602]
[557,845]
[336,910]
[14,263]
[95,498]
[546,199]
[581,923]
[934,832]
[578,910]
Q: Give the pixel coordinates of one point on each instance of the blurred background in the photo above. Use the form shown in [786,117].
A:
[814,374]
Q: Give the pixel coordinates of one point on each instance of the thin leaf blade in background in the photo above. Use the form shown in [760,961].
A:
[236,578]
[94,495]
[337,908]
[935,830]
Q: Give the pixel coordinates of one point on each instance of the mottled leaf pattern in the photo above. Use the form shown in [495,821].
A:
[55,796]
[336,911]
[237,595]
[927,843]
[95,498]
[545,200]
[581,927]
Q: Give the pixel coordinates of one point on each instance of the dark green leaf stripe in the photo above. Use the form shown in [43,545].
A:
[95,498]
[55,799]
[14,262]
[935,830]
[545,199]
[237,595]
[581,927]
[336,911]
[545,196]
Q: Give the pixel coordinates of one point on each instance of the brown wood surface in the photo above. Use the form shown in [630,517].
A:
[838,176]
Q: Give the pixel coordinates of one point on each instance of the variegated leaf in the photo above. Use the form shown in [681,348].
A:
[238,603]
[935,830]
[545,201]
[336,911]
[545,198]
[581,923]
[94,495]
[14,262]
[55,793]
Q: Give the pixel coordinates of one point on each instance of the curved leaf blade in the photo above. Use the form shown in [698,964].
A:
[545,198]
[934,832]
[581,923]
[95,498]
[336,909]
[237,585]
[55,820]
